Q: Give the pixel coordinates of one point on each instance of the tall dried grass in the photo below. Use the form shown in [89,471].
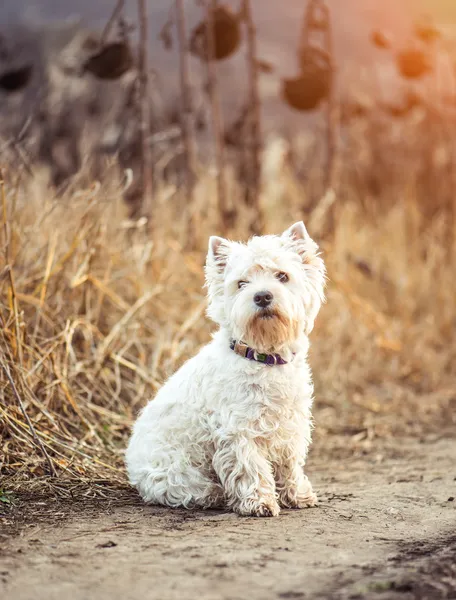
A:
[95,315]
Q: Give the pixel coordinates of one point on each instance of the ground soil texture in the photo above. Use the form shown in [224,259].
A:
[385,529]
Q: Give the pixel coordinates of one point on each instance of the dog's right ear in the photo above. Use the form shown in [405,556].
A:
[216,261]
[217,255]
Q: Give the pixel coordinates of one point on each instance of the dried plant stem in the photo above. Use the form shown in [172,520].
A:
[186,120]
[253,192]
[316,11]
[226,216]
[332,127]
[47,274]
[305,27]
[9,269]
[146,154]
[103,349]
[37,440]
[332,118]
[112,19]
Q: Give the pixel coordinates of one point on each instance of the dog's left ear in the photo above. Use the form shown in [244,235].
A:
[305,246]
[297,232]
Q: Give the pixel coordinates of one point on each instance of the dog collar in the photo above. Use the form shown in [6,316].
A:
[247,352]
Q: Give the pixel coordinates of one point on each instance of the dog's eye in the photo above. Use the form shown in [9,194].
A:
[242,284]
[282,277]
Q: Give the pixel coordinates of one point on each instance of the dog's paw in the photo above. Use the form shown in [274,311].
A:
[267,507]
[294,500]
[307,501]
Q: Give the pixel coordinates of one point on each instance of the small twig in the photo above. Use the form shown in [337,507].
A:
[166,135]
[37,440]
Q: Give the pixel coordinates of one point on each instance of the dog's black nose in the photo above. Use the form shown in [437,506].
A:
[263,299]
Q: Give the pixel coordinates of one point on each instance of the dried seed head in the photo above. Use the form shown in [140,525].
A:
[413,63]
[227,35]
[15,80]
[305,94]
[313,85]
[111,62]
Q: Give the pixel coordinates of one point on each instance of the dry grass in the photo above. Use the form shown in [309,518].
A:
[95,316]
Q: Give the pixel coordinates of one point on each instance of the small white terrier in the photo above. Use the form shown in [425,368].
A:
[232,426]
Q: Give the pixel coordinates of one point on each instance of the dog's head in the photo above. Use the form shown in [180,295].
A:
[267,292]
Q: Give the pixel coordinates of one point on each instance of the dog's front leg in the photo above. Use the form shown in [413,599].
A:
[293,486]
[246,476]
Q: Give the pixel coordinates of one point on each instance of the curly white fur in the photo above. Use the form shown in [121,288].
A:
[224,430]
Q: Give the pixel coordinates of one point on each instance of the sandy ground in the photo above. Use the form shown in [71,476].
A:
[385,528]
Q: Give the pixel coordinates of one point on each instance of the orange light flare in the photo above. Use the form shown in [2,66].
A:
[413,44]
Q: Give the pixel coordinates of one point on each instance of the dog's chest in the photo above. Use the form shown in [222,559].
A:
[278,407]
[277,390]
[268,403]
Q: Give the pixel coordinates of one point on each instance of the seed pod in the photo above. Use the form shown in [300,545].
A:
[380,39]
[16,80]
[111,62]
[227,35]
[313,85]
[413,63]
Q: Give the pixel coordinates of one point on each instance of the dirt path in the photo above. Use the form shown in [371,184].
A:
[383,530]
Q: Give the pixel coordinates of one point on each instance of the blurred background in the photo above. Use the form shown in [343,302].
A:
[131,131]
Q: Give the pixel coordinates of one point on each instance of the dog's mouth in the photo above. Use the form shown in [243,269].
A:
[266,314]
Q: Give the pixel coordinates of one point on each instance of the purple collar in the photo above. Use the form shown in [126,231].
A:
[247,352]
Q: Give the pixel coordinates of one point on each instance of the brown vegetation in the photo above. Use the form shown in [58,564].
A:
[95,314]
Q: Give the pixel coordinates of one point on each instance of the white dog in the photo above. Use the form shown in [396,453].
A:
[232,426]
